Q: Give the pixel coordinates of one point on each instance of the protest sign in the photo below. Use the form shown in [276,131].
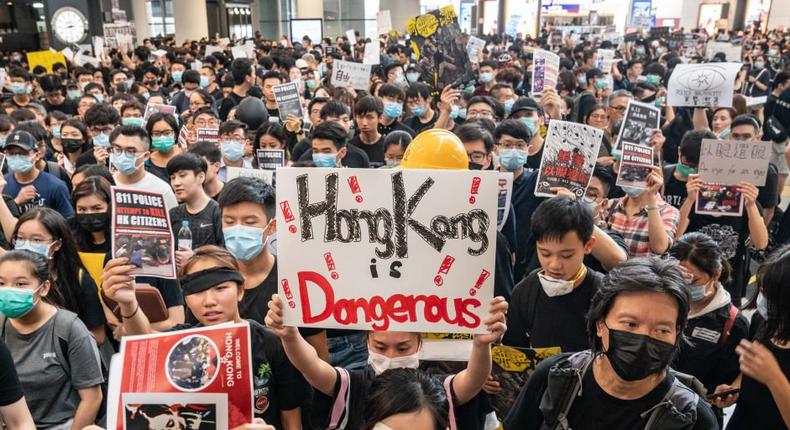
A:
[352,37]
[235,172]
[345,73]
[372,55]
[638,124]
[201,375]
[210,49]
[511,367]
[238,52]
[445,347]
[141,232]
[152,108]
[605,60]
[729,162]
[249,48]
[659,33]
[635,166]
[698,85]
[68,53]
[556,38]
[504,193]
[183,137]
[570,151]
[756,101]
[383,21]
[45,59]
[270,159]
[440,47]
[426,240]
[288,100]
[81,59]
[719,200]
[159,53]
[473,48]
[731,52]
[546,68]
[208,135]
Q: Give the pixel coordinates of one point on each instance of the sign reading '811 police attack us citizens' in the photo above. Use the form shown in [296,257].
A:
[407,250]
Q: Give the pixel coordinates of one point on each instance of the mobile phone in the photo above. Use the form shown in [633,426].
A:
[722,394]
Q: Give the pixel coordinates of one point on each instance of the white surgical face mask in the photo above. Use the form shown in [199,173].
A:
[381,426]
[380,362]
[555,287]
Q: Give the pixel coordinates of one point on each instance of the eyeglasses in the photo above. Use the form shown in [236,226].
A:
[117,151]
[162,133]
[104,130]
[477,156]
[478,113]
[211,123]
[619,108]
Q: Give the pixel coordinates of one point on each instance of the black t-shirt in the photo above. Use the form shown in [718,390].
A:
[10,388]
[674,189]
[533,161]
[206,225]
[159,172]
[273,113]
[756,408]
[89,308]
[277,385]
[539,321]
[592,263]
[355,157]
[374,151]
[255,302]
[395,126]
[595,409]
[228,103]
[417,125]
[69,106]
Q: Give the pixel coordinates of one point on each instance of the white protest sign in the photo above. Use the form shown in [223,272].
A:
[352,37]
[249,48]
[210,49]
[729,162]
[731,52]
[81,59]
[345,73]
[383,21]
[546,68]
[236,172]
[372,55]
[68,53]
[238,52]
[159,52]
[605,60]
[698,85]
[197,65]
[421,242]
[473,47]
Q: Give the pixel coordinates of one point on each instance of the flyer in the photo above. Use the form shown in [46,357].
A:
[719,200]
[635,166]
[345,73]
[372,55]
[605,60]
[473,48]
[511,367]
[208,135]
[235,172]
[200,376]
[569,154]
[504,195]
[270,159]
[152,108]
[288,100]
[421,242]
[733,162]
[545,71]
[142,233]
[638,124]
[383,21]
[700,85]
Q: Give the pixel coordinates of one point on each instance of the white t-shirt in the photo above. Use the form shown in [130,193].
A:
[151,183]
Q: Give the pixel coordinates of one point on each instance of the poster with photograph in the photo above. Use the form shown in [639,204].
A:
[142,233]
[208,135]
[288,100]
[270,159]
[421,242]
[639,122]
[732,161]
[504,195]
[546,68]
[201,376]
[635,166]
[473,47]
[604,60]
[511,367]
[702,85]
[440,47]
[152,108]
[569,154]
[719,200]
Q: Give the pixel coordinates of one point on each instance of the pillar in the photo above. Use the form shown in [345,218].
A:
[140,18]
[191,20]
[309,9]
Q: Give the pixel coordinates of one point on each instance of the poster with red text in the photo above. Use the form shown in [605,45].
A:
[196,378]
[569,155]
[382,249]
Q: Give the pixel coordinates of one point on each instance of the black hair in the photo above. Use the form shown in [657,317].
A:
[402,391]
[18,72]
[470,132]
[397,137]
[245,189]
[38,131]
[703,252]
[417,89]
[691,144]
[240,69]
[496,107]
[272,74]
[273,129]
[641,274]
[334,108]
[331,131]
[101,114]
[314,101]
[91,169]
[606,178]
[83,71]
[772,279]
[513,128]
[22,115]
[161,116]
[134,105]
[746,119]
[191,77]
[130,131]
[39,268]
[207,149]
[187,161]
[491,64]
[93,85]
[50,83]
[368,104]
[92,185]
[228,127]
[554,218]
[392,91]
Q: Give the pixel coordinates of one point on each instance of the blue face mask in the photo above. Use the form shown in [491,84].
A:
[73,94]
[697,292]
[325,160]
[762,305]
[418,111]
[35,247]
[99,97]
[759,64]
[19,88]
[393,110]
[486,77]
[509,105]
[16,302]
[531,124]
[601,84]
[400,80]
[462,113]
[512,159]
[244,242]
[102,140]
[56,132]
[590,203]
[132,121]
[724,133]
[617,154]
[163,144]
[652,79]
[176,75]
[412,77]
[125,164]
[454,112]
[203,81]
[232,150]
[19,163]
[582,80]
[632,192]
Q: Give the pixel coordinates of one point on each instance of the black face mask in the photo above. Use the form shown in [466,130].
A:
[636,356]
[475,166]
[93,222]
[71,145]
[152,82]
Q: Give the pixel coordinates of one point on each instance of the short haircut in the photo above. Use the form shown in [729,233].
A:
[606,178]
[496,107]
[207,149]
[513,128]
[491,64]
[392,91]
[187,161]
[18,72]
[556,217]
[417,89]
[334,108]
[161,116]
[101,114]
[781,78]
[130,131]
[271,74]
[191,77]
[50,83]
[240,68]
[245,189]
[691,144]
[618,94]
[331,131]
[746,119]
[132,105]
[470,132]
[229,127]
[369,104]
[703,252]
[314,101]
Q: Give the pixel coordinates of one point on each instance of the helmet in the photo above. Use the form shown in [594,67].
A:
[252,111]
[435,149]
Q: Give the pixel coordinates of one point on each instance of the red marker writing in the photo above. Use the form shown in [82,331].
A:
[288,294]
[444,269]
[475,189]
[330,265]
[484,274]
[353,183]
[288,215]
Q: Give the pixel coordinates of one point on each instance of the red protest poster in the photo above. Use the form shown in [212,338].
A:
[196,378]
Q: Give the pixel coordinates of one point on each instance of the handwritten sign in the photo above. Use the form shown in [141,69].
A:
[707,84]
[345,73]
[545,71]
[729,162]
[426,239]
[383,21]
[731,52]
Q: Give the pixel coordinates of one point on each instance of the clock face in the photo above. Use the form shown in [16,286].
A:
[69,25]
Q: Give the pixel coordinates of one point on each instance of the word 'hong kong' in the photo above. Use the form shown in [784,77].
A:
[389,228]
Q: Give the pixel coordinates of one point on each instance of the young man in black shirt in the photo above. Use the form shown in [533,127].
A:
[269,80]
[393,97]
[243,78]
[209,152]
[635,326]
[337,114]
[677,175]
[367,113]
[418,97]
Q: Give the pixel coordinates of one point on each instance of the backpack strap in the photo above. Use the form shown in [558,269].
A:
[339,416]
[62,331]
[672,407]
[725,333]
[448,381]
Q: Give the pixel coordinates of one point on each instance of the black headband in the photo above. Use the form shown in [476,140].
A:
[209,278]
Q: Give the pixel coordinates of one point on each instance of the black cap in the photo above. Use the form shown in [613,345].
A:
[525,104]
[412,67]
[21,139]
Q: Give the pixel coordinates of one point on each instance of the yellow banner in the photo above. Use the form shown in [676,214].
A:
[44,58]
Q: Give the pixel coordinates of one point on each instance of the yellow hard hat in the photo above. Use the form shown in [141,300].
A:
[435,149]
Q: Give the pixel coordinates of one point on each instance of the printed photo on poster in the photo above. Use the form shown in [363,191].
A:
[719,200]
[270,159]
[569,154]
[142,233]
[545,71]
[639,122]
[635,166]
[504,195]
[440,47]
[193,411]
[288,100]
[152,108]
